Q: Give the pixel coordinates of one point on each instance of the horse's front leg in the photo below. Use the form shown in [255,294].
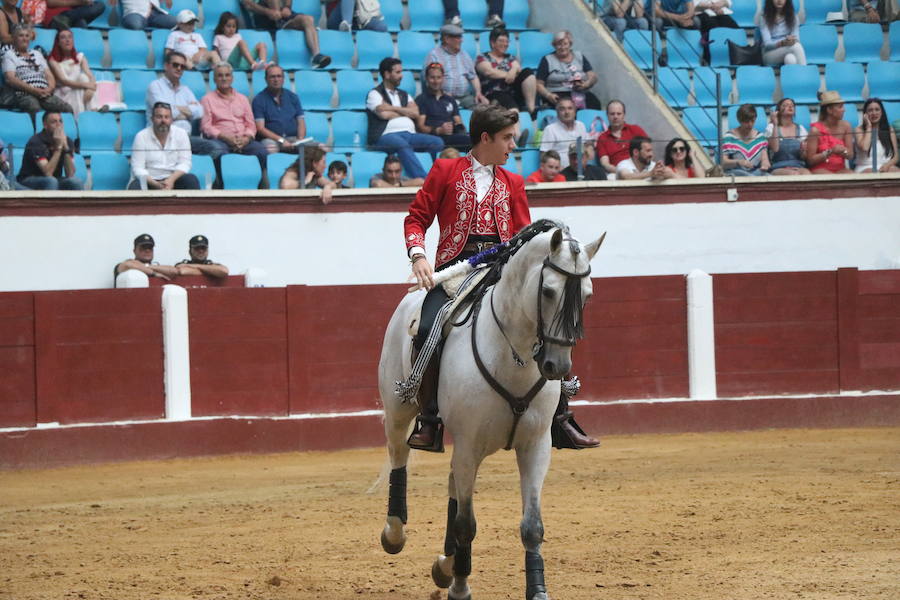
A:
[533,461]
[465,468]
[393,536]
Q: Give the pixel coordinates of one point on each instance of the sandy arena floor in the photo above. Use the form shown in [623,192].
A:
[770,514]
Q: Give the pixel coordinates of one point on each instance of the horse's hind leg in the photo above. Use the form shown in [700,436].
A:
[393,537]
[533,462]
[465,468]
[442,569]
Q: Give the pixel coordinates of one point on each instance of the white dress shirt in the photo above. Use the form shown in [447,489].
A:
[557,137]
[157,161]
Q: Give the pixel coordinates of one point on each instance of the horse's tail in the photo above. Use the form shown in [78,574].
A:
[381,481]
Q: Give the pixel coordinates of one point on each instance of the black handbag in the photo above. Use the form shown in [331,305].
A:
[744,55]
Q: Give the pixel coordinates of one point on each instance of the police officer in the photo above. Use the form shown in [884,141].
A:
[199,263]
[143,260]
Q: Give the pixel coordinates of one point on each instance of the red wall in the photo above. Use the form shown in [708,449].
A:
[17,394]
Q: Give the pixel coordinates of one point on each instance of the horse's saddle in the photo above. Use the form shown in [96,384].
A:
[459,289]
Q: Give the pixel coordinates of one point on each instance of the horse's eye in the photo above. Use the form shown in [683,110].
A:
[548,293]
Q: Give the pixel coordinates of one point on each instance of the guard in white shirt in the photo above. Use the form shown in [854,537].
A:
[161,155]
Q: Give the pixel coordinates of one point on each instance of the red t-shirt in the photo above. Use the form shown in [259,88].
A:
[617,148]
[536,177]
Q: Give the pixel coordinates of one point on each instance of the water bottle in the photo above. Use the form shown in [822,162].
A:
[356,144]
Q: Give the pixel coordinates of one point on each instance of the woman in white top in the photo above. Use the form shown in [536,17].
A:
[780,30]
[885,146]
[74,79]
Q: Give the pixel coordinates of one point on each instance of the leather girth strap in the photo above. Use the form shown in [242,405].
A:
[518,405]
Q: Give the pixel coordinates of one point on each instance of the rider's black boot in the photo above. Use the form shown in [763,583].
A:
[565,432]
[428,434]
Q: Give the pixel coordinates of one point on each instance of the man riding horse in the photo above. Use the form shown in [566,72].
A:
[478,205]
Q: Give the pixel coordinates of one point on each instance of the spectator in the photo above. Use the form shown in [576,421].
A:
[279,114]
[613,144]
[678,161]
[231,47]
[439,112]
[787,140]
[144,14]
[228,121]
[392,121]
[503,80]
[641,165]
[549,170]
[273,15]
[76,84]
[7,179]
[392,175]
[62,14]
[868,11]
[674,13]
[884,150]
[619,15]
[190,43]
[363,15]
[185,108]
[830,141]
[161,155]
[449,153]
[494,18]
[711,14]
[29,81]
[48,162]
[314,174]
[337,173]
[563,131]
[143,260]
[780,31]
[460,79]
[566,73]
[745,151]
[199,262]
[12,16]
[591,172]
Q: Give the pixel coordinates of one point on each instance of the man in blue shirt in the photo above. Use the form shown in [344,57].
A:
[279,115]
[439,112]
[673,13]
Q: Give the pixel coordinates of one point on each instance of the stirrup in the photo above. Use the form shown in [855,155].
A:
[437,444]
[560,437]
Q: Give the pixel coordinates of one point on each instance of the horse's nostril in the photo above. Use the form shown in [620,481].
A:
[549,366]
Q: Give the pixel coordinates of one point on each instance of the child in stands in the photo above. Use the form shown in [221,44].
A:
[190,43]
[231,47]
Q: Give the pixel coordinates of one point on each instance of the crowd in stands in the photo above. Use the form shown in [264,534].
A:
[410,130]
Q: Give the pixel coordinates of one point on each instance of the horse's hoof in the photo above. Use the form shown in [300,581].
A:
[442,571]
[540,596]
[466,596]
[390,541]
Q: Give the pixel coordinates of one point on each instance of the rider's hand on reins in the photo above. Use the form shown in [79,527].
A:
[422,271]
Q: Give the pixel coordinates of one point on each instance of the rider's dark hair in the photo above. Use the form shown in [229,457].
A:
[490,119]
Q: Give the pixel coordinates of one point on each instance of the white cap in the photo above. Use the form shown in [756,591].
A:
[185,16]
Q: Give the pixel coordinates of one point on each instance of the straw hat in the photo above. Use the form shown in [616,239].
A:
[830,97]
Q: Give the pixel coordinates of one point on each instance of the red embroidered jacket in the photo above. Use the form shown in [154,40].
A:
[449,194]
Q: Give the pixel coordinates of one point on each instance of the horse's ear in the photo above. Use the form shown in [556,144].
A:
[556,240]
[594,246]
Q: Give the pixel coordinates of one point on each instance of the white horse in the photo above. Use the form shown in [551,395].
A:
[537,306]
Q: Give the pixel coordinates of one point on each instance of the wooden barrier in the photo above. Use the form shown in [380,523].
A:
[18,407]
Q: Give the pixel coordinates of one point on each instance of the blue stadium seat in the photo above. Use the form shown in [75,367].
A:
[755,84]
[196,81]
[718,44]
[44,38]
[512,164]
[473,13]
[470,44]
[587,117]
[862,42]
[515,14]
[308,7]
[90,43]
[132,122]
[292,51]
[345,127]
[705,85]
[408,83]
[315,89]
[894,40]
[180,5]
[352,88]
[884,80]
[129,49]
[81,170]
[276,166]
[674,85]
[801,82]
[484,43]
[392,11]
[761,117]
[637,46]
[683,47]
[802,117]
[240,172]
[846,78]
[702,123]
[203,167]
[744,12]
[109,171]
[364,164]
[817,11]
[373,47]
[241,84]
[17,127]
[158,46]
[533,46]
[819,43]
[134,88]
[466,115]
[531,161]
[427,16]
[425,160]
[99,132]
[317,126]
[414,46]
[544,117]
[893,110]
[213,9]
[338,45]
[525,122]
